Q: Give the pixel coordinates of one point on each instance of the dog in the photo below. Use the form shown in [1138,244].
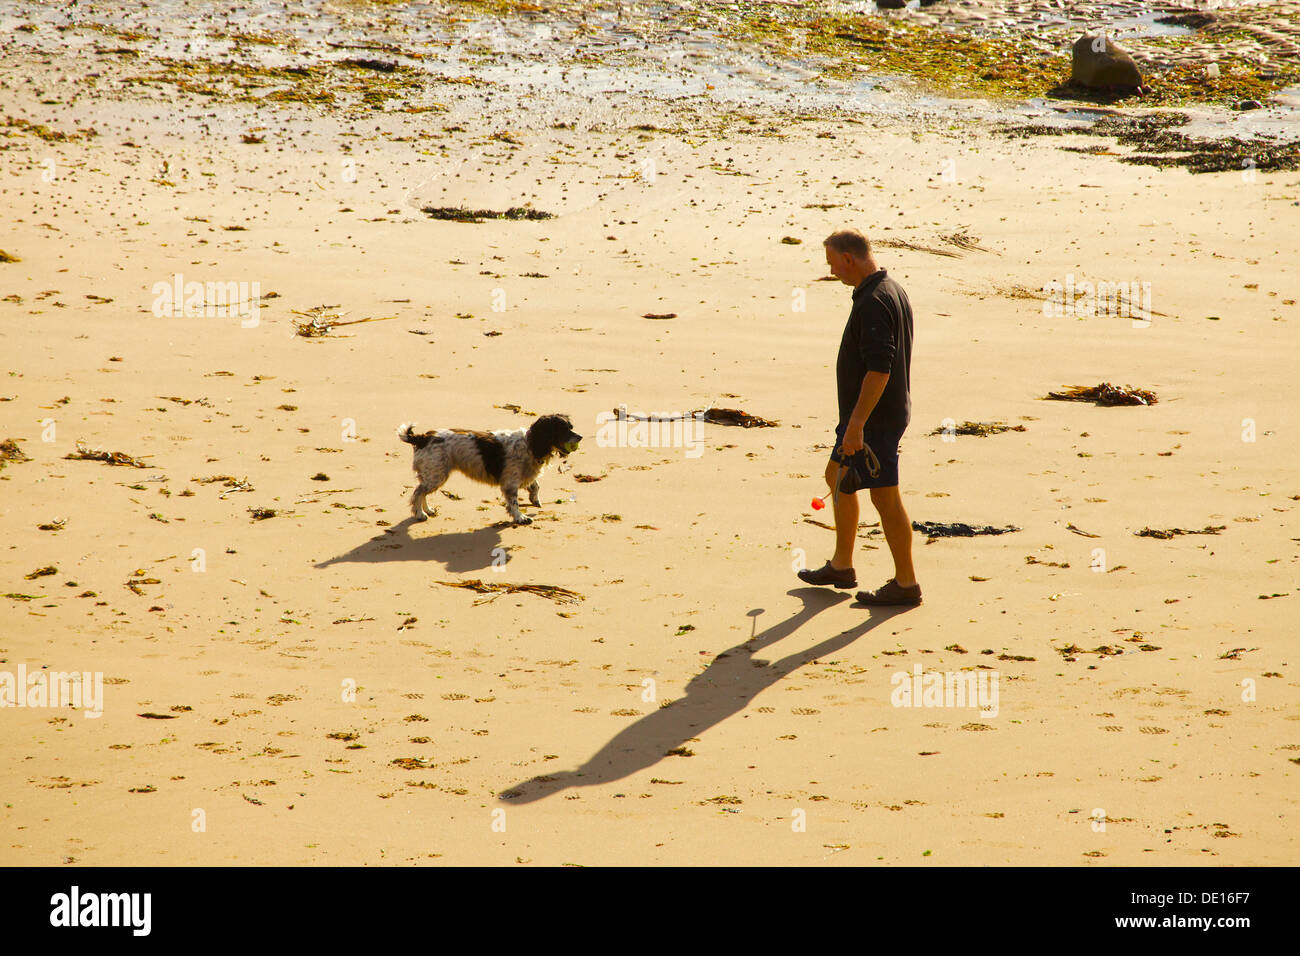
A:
[508,459]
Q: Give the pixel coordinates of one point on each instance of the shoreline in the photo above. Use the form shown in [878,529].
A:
[778,58]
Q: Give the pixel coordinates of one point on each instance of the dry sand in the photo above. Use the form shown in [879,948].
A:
[789,750]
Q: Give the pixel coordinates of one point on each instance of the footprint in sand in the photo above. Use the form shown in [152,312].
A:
[1153,730]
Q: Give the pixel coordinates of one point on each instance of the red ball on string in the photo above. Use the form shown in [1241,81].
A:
[818,504]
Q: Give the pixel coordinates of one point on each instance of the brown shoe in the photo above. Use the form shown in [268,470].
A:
[891,593]
[834,577]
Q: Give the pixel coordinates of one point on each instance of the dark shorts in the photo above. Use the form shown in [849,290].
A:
[885,445]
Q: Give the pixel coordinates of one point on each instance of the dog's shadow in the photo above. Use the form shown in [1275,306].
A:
[457,551]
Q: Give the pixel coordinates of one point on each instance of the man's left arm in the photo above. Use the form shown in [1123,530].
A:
[873,386]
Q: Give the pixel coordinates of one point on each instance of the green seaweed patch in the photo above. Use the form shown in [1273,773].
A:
[963,64]
[131,36]
[951,61]
[280,40]
[323,83]
[17,126]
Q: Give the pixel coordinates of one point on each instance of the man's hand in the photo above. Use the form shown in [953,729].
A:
[852,443]
[873,386]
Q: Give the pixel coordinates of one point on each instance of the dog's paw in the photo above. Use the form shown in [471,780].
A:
[523,519]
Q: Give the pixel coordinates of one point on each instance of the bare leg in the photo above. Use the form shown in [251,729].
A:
[846,519]
[898,532]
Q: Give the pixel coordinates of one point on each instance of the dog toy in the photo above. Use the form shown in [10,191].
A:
[819,503]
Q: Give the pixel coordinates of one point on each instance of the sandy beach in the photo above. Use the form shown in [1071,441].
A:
[291,669]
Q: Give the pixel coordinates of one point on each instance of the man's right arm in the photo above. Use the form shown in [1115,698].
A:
[878,336]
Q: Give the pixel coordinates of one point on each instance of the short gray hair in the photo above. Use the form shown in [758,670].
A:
[849,241]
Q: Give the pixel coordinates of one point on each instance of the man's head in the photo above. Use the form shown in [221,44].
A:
[848,253]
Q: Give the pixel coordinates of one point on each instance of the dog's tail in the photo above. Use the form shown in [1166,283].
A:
[407,434]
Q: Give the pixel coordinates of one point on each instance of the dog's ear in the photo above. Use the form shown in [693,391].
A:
[544,436]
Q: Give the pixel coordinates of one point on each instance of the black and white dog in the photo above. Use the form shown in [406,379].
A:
[508,459]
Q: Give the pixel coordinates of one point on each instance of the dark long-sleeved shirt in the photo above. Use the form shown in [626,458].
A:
[877,338]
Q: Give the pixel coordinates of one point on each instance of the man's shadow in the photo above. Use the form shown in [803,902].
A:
[458,551]
[733,679]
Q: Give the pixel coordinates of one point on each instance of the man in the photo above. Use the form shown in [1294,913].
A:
[875,407]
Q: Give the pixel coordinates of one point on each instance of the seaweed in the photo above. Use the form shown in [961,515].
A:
[964,240]
[1156,143]
[1167,533]
[959,62]
[734,416]
[557,594]
[463,214]
[957,529]
[981,429]
[715,416]
[45,133]
[1105,394]
[322,319]
[380,66]
[84,453]
[9,451]
[914,247]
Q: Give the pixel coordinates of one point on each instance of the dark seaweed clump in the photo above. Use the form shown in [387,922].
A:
[957,529]
[1157,143]
[1105,394]
[461,214]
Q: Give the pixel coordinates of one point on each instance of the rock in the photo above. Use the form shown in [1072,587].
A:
[890,4]
[1102,64]
[1250,105]
[1193,21]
